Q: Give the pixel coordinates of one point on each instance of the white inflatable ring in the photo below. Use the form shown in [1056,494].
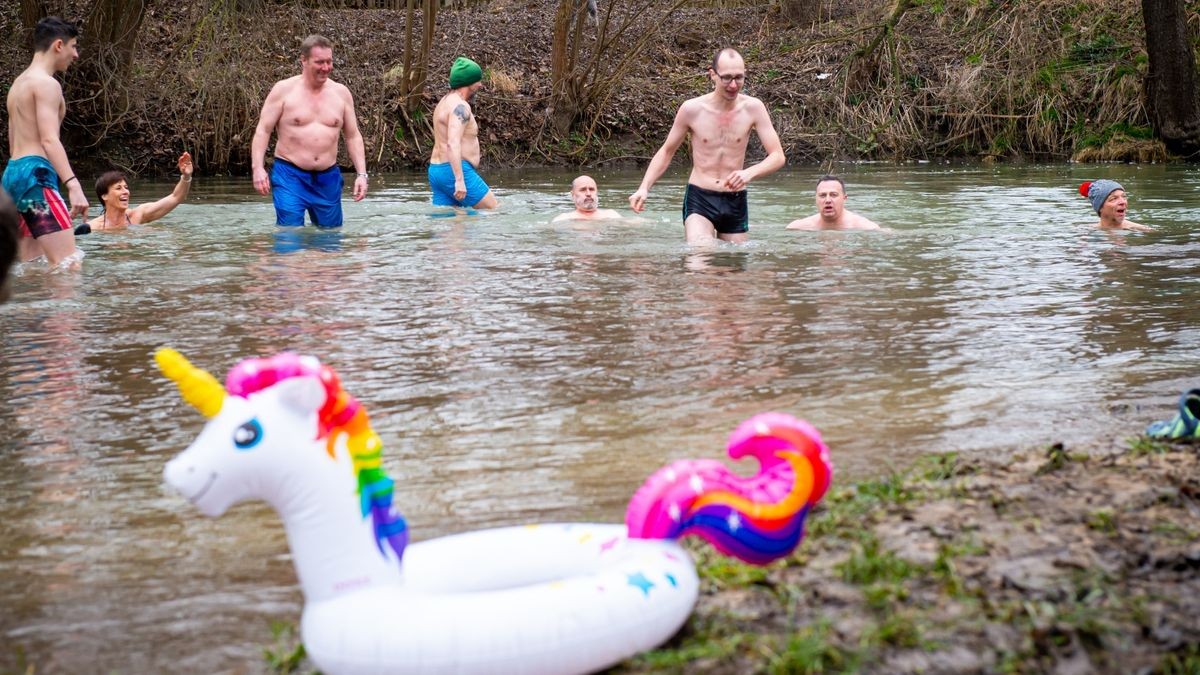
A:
[540,599]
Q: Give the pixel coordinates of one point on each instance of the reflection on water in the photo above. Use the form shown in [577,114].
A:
[293,239]
[521,371]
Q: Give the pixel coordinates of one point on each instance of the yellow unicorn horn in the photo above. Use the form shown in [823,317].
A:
[197,386]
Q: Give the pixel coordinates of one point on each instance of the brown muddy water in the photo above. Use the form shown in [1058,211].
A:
[519,371]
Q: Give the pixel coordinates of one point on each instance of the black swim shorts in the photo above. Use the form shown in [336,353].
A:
[729,212]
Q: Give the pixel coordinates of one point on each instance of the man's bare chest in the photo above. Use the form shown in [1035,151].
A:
[722,132]
[301,110]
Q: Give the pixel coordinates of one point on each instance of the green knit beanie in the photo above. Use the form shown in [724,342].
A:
[464,72]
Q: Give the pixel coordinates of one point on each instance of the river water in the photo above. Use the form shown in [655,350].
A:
[519,371]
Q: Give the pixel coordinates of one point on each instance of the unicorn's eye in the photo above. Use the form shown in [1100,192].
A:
[248,435]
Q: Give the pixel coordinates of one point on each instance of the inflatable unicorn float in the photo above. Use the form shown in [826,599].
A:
[551,598]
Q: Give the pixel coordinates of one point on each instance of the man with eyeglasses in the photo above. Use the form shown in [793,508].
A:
[719,123]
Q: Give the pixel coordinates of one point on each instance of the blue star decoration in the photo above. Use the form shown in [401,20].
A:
[638,579]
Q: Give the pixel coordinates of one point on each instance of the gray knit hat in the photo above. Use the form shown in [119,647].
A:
[1097,191]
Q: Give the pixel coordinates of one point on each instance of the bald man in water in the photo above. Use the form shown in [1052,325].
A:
[587,203]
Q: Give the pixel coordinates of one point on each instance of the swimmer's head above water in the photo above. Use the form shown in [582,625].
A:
[1097,191]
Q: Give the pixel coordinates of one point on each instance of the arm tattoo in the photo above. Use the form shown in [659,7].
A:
[460,111]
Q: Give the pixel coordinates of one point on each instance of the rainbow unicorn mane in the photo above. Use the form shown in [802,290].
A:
[341,414]
[757,519]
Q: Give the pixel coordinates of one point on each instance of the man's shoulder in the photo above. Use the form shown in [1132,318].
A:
[751,102]
[339,88]
[599,214]
[286,84]
[451,102]
[35,81]
[860,222]
[809,223]
[694,105]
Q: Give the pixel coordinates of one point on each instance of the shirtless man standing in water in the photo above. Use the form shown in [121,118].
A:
[38,160]
[719,123]
[455,158]
[311,111]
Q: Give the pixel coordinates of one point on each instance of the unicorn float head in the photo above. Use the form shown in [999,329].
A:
[551,598]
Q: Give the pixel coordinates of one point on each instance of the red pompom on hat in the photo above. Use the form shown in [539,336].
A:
[1083,189]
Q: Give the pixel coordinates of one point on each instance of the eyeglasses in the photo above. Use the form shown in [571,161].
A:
[727,79]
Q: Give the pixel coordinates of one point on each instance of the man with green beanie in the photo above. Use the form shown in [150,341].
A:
[452,166]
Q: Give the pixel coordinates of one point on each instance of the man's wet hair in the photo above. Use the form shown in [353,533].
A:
[724,50]
[106,181]
[10,220]
[830,176]
[314,40]
[50,29]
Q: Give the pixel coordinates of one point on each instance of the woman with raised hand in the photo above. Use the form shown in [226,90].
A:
[113,190]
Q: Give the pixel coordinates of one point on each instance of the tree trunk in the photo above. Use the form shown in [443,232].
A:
[797,11]
[111,32]
[564,59]
[32,11]
[406,80]
[1171,83]
[113,27]
[429,17]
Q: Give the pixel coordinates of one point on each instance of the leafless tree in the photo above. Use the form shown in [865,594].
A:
[1171,82]
[416,58]
[585,66]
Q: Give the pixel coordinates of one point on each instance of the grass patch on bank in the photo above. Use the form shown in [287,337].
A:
[1173,532]
[812,649]
[725,572]
[942,466]
[695,648]
[286,653]
[844,512]
[1186,661]
[869,564]
[1144,445]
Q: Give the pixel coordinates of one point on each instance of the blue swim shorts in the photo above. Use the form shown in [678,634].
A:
[33,185]
[441,181]
[295,190]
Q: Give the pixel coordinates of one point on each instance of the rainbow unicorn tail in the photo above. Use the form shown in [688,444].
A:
[757,519]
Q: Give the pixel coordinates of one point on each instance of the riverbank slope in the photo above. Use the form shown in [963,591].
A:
[1069,562]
